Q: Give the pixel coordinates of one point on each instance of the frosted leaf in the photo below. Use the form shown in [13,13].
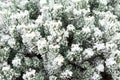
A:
[76,12]
[52,78]
[58,60]
[104,2]
[115,53]
[57,6]
[23,3]
[11,42]
[75,47]
[43,2]
[89,22]
[39,20]
[109,62]
[19,15]
[41,43]
[96,76]
[6,4]
[70,55]
[100,67]
[5,38]
[6,68]
[86,30]
[16,62]
[70,27]
[58,39]
[102,22]
[54,63]
[51,3]
[28,61]
[88,53]
[117,10]
[29,75]
[116,37]
[50,38]
[99,46]
[66,74]
[30,39]
[69,8]
[97,32]
[66,34]
[110,46]
[54,48]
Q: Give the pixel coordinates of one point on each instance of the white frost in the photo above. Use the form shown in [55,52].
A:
[100,67]
[109,62]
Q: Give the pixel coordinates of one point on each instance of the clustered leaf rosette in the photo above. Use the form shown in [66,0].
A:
[59,39]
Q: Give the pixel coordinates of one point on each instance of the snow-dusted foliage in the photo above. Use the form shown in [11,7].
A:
[59,39]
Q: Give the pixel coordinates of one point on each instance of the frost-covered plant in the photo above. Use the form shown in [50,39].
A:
[59,40]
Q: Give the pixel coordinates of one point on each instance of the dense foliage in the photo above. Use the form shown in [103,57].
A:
[59,39]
